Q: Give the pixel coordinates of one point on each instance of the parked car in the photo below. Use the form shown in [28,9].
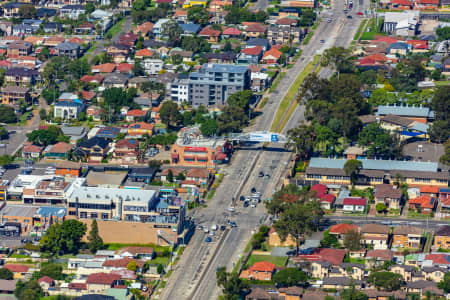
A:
[261,174]
[208,239]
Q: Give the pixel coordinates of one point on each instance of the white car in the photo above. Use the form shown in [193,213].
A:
[253,204]
[231,208]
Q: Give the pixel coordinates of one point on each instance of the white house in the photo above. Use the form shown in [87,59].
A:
[67,110]
[158,27]
[180,90]
[152,66]
[354,205]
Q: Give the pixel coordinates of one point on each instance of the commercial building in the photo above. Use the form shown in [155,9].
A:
[377,171]
[47,191]
[192,149]
[214,83]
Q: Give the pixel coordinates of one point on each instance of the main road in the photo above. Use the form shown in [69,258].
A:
[194,276]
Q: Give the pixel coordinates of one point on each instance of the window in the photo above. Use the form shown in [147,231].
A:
[83,215]
[104,216]
[94,215]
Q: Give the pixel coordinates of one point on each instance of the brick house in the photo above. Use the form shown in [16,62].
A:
[259,271]
[442,237]
[98,283]
[339,230]
[126,151]
[68,169]
[407,237]
[388,195]
[424,204]
[375,235]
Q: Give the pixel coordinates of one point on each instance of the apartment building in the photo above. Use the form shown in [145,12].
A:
[13,95]
[21,77]
[214,83]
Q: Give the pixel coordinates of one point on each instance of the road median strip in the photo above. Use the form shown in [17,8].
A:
[288,103]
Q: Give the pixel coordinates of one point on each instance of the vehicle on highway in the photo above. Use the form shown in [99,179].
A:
[253,190]
[359,13]
[261,174]
[253,204]
[208,239]
[231,208]
[267,176]
[223,227]
[322,41]
[214,227]
[232,224]
[242,198]
[349,17]
[329,20]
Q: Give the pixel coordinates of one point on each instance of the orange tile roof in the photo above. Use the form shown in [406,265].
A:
[136,113]
[179,13]
[76,40]
[272,52]
[207,31]
[16,268]
[343,228]
[252,50]
[429,189]
[104,68]
[262,266]
[424,201]
[61,147]
[144,53]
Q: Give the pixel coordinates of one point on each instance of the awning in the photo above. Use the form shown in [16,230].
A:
[175,155]
[189,157]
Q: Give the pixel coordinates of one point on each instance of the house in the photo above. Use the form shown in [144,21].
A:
[210,34]
[200,176]
[340,283]
[255,30]
[72,11]
[52,27]
[68,169]
[19,48]
[424,204]
[261,294]
[144,29]
[398,48]
[272,56]
[95,112]
[434,273]
[401,23]
[68,49]
[407,237]
[108,132]
[442,237]
[142,175]
[152,66]
[431,191]
[134,115]
[354,205]
[421,287]
[186,55]
[67,110]
[427,4]
[375,235]
[255,42]
[8,286]
[74,132]
[19,271]
[143,53]
[59,150]
[126,151]
[146,253]
[377,257]
[122,263]
[404,270]
[125,68]
[21,76]
[250,55]
[128,39]
[139,129]
[190,28]
[98,283]
[230,33]
[115,80]
[180,16]
[85,28]
[31,151]
[46,282]
[95,79]
[259,271]
[14,95]
[158,28]
[104,68]
[284,35]
[340,230]
[94,149]
[11,9]
[388,195]
[222,57]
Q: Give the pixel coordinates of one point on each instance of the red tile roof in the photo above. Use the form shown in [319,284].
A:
[124,68]
[76,40]
[32,149]
[434,2]
[102,278]
[354,201]
[442,259]
[343,228]
[136,250]
[128,37]
[402,2]
[380,254]
[144,53]
[252,51]
[286,21]
[141,125]
[5,63]
[386,39]
[61,147]
[334,256]
[87,95]
[77,286]
[144,28]
[136,113]
[262,266]
[256,27]
[126,143]
[424,201]
[231,31]
[273,52]
[97,78]
[15,268]
[207,31]
[104,68]
[327,198]
[429,189]
[47,279]
[319,188]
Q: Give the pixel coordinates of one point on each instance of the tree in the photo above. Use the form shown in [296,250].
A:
[439,131]
[138,70]
[388,281]
[28,291]
[180,176]
[445,158]
[169,113]
[209,127]
[352,168]
[290,277]
[241,99]
[353,294]
[45,137]
[89,8]
[42,114]
[160,269]
[198,14]
[335,57]
[155,164]
[95,241]
[227,47]
[380,207]
[170,176]
[6,274]
[232,285]
[440,103]
[63,237]
[52,270]
[132,266]
[3,133]
[329,240]
[445,283]
[301,140]
[443,33]
[232,119]
[378,140]
[5,159]
[407,73]
[352,240]
[7,114]
[195,44]
[27,11]
[172,30]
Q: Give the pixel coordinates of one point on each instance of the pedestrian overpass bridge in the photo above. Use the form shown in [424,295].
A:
[261,136]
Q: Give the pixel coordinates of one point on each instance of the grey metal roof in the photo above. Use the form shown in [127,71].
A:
[67,46]
[224,68]
[376,164]
[415,111]
[420,127]
[72,130]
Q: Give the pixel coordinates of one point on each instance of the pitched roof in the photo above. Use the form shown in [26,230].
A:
[429,189]
[262,266]
[47,279]
[272,52]
[333,256]
[122,263]
[61,147]
[402,2]
[375,228]
[424,201]
[387,190]
[102,278]
[126,143]
[124,68]
[252,50]
[231,31]
[136,113]
[441,259]
[385,39]
[16,268]
[405,230]
[97,78]
[343,228]
[256,27]
[443,231]
[381,254]
[144,53]
[198,173]
[104,68]
[354,201]
[137,250]
[32,148]
[207,31]
[286,21]
[141,125]
[77,286]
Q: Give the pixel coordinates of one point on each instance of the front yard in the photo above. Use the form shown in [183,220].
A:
[279,261]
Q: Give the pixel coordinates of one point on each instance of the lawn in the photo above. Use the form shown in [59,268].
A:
[374,29]
[159,260]
[360,29]
[117,246]
[441,83]
[279,261]
[284,105]
[116,28]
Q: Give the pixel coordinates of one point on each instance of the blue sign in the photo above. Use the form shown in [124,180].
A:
[274,138]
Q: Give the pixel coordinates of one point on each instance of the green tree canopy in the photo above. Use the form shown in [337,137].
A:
[209,128]
[6,274]
[445,283]
[30,290]
[45,137]
[388,281]
[301,140]
[241,99]
[352,168]
[443,33]
[445,158]
[169,113]
[232,286]
[95,241]
[195,44]
[352,240]
[198,14]
[232,119]
[353,294]
[290,277]
[379,141]
[335,57]
[63,237]
[27,11]
[7,114]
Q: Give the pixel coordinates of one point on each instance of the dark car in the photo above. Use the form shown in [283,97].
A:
[241,198]
[232,224]
[261,174]
[245,203]
[349,17]
[208,239]
[253,190]
[223,227]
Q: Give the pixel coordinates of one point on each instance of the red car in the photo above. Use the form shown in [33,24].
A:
[359,13]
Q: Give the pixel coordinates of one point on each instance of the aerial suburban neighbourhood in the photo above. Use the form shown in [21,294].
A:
[224,149]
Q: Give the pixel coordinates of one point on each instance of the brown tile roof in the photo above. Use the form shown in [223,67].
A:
[380,254]
[32,149]
[387,190]
[68,165]
[207,31]
[397,120]
[375,228]
[16,268]
[47,279]
[256,27]
[405,230]
[443,231]
[175,171]
[122,263]
[137,250]
[102,278]
[77,286]
[343,228]
[197,173]
[104,68]
[61,147]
